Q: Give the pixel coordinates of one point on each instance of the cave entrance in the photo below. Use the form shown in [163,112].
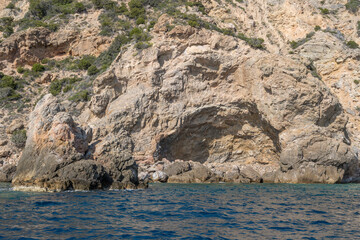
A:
[220,134]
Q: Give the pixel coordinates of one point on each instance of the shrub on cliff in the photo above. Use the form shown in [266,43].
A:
[55,87]
[44,9]
[37,67]
[352,44]
[10,6]
[295,44]
[39,9]
[107,57]
[199,6]
[140,20]
[86,62]
[7,26]
[20,70]
[324,11]
[8,82]
[136,8]
[80,96]
[352,5]
[64,84]
[19,138]
[92,70]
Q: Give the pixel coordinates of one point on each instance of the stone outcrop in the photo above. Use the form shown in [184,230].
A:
[236,113]
[7,173]
[55,156]
[33,45]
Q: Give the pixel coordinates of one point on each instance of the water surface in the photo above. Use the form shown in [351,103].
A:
[182,211]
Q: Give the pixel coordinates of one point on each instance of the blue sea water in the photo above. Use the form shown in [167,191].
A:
[185,211]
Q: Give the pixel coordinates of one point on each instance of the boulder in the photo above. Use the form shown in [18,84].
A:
[7,172]
[198,173]
[159,176]
[177,168]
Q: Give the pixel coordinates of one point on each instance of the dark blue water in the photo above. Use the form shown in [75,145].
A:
[175,211]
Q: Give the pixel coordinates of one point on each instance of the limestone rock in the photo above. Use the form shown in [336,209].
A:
[197,174]
[212,100]
[177,168]
[54,155]
[7,173]
[159,176]
[215,108]
[32,45]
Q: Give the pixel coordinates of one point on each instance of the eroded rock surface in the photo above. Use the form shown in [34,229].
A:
[54,157]
[196,105]
[199,96]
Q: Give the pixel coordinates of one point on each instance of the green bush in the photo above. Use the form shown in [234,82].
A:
[97,3]
[142,45]
[317,28]
[19,138]
[92,70]
[37,67]
[7,26]
[151,25]
[136,8]
[39,9]
[356,82]
[80,96]
[45,61]
[8,94]
[122,9]
[140,20]
[45,9]
[107,57]
[352,5]
[256,43]
[79,7]
[67,88]
[61,2]
[199,5]
[295,44]
[324,11]
[55,87]
[139,35]
[65,84]
[20,70]
[26,23]
[352,44]
[194,23]
[8,82]
[86,62]
[11,6]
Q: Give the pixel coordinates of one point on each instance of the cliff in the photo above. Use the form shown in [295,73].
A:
[116,94]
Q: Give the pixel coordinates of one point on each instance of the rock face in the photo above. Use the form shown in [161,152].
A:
[55,155]
[236,113]
[31,46]
[196,105]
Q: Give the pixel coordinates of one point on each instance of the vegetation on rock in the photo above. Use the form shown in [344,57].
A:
[18,137]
